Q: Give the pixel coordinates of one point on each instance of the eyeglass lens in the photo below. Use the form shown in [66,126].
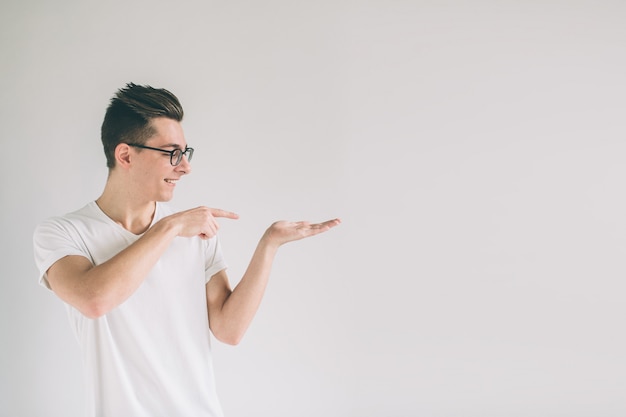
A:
[177,156]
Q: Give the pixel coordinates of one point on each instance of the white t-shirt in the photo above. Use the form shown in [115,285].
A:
[151,355]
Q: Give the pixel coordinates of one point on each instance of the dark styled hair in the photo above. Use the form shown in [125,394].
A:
[127,119]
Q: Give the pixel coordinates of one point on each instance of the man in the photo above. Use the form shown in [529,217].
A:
[144,285]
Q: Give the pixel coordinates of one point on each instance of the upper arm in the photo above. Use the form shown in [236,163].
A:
[66,279]
[217,292]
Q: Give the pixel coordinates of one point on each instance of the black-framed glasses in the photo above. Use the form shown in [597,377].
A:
[176,156]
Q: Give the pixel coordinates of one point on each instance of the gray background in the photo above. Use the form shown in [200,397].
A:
[474,150]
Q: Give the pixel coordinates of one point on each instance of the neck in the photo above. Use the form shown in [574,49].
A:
[123,207]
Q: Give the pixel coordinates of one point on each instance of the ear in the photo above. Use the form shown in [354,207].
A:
[122,155]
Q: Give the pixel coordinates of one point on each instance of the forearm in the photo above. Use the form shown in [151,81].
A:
[231,321]
[95,290]
[231,312]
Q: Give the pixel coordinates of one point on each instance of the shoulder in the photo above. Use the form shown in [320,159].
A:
[69,222]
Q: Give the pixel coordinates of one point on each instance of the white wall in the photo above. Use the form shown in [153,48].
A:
[475,151]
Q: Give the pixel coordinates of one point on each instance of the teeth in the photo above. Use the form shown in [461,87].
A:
[171,181]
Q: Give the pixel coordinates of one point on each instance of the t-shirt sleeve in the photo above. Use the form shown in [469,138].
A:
[214,258]
[53,240]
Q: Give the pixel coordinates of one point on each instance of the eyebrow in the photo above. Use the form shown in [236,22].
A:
[173,145]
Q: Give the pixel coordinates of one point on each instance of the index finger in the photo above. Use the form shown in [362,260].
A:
[223,213]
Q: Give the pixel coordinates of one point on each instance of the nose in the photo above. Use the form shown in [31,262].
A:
[185,166]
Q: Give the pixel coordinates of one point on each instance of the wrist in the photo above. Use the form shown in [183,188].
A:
[268,242]
[167,226]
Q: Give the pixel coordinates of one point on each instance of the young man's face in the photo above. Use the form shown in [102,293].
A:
[156,177]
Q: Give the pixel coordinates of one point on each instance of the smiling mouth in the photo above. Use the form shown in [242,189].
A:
[169,181]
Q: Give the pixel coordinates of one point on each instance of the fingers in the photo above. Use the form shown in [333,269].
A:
[326,225]
[213,226]
[223,213]
[201,221]
[331,223]
[308,229]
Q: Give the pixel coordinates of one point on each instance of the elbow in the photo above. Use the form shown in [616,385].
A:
[94,308]
[90,305]
[92,311]
[232,338]
[230,342]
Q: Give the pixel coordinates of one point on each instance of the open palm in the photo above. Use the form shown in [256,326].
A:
[283,231]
